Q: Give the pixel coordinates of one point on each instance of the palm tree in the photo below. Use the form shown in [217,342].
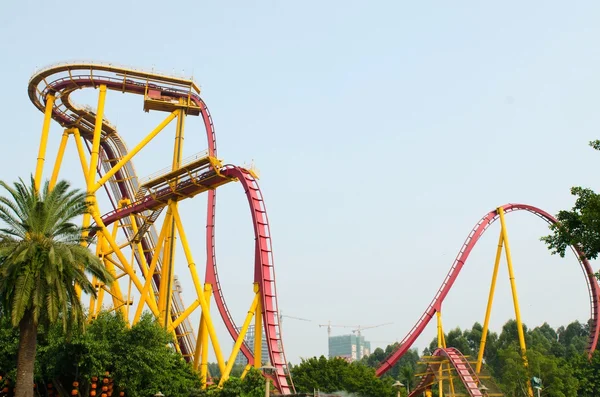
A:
[408,374]
[42,260]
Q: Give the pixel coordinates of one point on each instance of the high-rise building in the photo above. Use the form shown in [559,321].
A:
[241,359]
[350,347]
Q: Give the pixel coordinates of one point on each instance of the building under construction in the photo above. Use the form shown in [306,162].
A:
[350,347]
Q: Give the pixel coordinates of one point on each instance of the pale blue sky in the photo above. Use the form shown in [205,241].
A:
[383,131]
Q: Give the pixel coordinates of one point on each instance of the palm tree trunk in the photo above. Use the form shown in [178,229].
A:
[26,358]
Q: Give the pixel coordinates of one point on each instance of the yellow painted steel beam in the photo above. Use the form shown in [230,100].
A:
[59,158]
[440,331]
[440,343]
[513,287]
[95,281]
[91,171]
[186,247]
[185,314]
[258,327]
[203,338]
[115,288]
[201,298]
[245,372]
[171,242]
[129,301]
[179,133]
[99,302]
[168,270]
[488,311]
[39,168]
[80,151]
[153,263]
[199,345]
[91,177]
[239,340]
[163,289]
[134,151]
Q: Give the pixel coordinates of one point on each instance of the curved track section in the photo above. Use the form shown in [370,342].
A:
[470,242]
[212,275]
[264,272]
[465,373]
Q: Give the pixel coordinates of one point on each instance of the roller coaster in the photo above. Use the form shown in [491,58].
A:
[467,375]
[136,238]
[136,244]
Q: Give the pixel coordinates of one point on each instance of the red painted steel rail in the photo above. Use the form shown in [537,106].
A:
[473,237]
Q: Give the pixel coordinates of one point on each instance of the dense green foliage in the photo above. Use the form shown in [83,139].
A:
[43,260]
[253,385]
[139,359]
[336,374]
[578,226]
[405,368]
[555,356]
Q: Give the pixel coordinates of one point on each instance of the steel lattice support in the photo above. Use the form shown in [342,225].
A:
[137,238]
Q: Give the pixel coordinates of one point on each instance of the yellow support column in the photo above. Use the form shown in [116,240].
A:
[91,175]
[165,274]
[96,139]
[81,152]
[239,340]
[203,337]
[201,297]
[115,288]
[147,287]
[39,168]
[245,372]
[168,270]
[59,158]
[258,328]
[488,311]
[178,148]
[440,342]
[99,254]
[513,287]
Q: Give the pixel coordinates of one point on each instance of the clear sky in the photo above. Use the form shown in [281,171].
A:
[383,132]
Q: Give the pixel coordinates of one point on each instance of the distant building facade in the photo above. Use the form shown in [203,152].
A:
[350,347]
[241,359]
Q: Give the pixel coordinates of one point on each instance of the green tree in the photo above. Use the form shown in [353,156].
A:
[42,261]
[578,226]
[336,374]
[140,360]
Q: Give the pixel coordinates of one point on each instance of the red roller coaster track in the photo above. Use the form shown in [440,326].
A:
[470,242]
[68,115]
[465,372]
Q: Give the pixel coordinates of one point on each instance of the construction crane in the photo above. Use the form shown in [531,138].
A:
[281,316]
[329,325]
[359,328]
